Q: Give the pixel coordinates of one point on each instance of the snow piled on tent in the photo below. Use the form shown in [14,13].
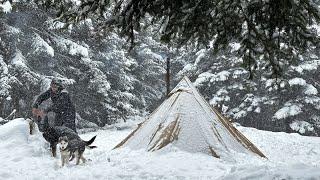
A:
[24,156]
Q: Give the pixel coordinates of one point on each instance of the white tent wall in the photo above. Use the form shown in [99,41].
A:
[185,120]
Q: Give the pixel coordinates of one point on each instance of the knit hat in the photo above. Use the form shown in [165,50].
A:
[57,82]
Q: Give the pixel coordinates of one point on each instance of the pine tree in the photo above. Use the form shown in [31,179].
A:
[275,31]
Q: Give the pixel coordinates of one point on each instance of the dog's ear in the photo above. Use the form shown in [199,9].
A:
[60,138]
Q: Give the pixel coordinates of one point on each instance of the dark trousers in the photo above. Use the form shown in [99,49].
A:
[67,119]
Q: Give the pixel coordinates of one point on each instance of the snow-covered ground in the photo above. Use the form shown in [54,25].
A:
[25,156]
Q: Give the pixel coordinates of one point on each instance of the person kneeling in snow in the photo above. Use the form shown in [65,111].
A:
[62,105]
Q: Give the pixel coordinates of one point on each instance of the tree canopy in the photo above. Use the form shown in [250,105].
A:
[275,31]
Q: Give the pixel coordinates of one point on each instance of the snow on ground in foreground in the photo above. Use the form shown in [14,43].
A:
[291,156]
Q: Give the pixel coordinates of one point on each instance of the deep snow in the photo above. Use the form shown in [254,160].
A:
[24,156]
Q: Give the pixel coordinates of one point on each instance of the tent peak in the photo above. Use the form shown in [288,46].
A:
[183,85]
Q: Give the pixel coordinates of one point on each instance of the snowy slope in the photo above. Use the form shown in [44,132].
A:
[291,156]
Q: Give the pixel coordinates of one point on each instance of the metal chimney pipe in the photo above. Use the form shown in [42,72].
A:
[168,76]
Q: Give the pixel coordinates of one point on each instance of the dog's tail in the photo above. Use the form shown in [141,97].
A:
[90,141]
[91,147]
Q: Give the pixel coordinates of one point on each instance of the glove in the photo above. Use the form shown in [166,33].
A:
[41,114]
[37,112]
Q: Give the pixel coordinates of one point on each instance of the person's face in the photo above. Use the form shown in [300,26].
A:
[54,88]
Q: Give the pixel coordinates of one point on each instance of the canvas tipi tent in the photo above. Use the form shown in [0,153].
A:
[185,120]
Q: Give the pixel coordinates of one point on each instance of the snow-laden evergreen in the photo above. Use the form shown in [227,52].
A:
[290,103]
[105,80]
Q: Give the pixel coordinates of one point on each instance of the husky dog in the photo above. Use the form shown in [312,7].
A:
[52,134]
[74,147]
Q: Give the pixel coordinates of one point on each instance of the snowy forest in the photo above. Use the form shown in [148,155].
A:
[110,78]
[162,90]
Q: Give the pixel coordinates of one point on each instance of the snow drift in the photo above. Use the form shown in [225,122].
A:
[25,156]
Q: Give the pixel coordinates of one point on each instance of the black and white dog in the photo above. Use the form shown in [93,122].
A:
[74,147]
[52,134]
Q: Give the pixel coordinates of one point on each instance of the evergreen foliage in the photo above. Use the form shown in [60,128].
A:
[274,31]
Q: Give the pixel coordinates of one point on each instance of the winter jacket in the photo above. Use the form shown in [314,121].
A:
[61,105]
